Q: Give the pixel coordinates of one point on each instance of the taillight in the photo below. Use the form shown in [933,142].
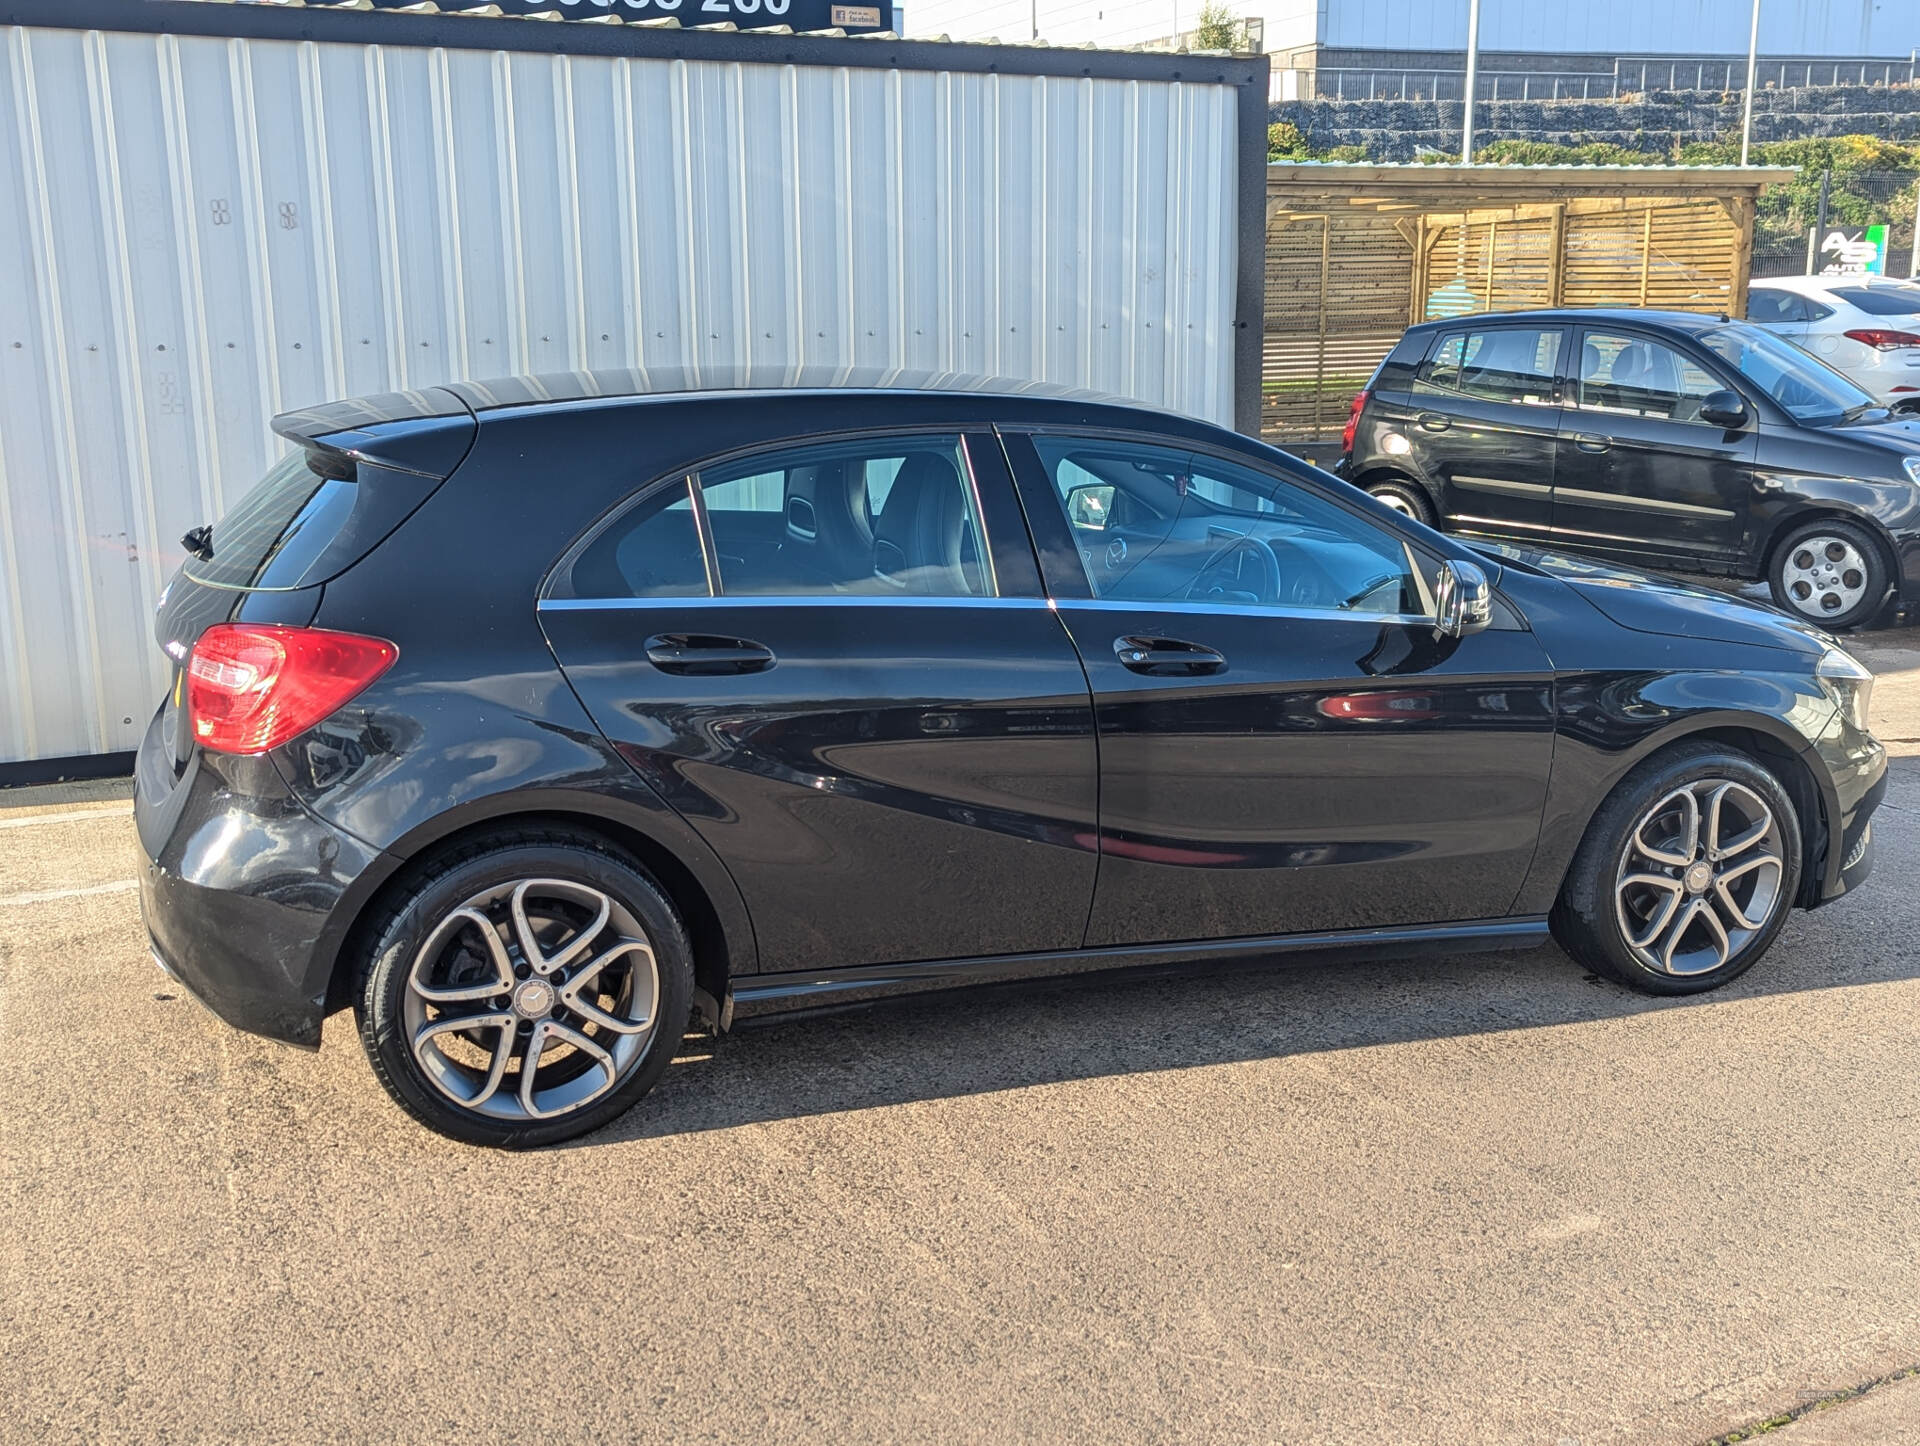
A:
[1884,340]
[1353,422]
[252,686]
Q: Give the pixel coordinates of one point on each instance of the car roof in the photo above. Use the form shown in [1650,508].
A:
[1689,321]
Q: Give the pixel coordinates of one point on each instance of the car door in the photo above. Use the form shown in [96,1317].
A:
[835,661]
[1639,474]
[1485,425]
[1284,745]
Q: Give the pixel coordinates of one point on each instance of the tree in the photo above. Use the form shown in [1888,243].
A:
[1219,28]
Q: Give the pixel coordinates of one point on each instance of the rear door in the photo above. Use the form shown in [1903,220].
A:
[1486,407]
[836,661]
[1639,473]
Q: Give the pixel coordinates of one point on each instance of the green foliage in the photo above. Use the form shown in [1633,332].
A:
[1548,153]
[1873,180]
[1219,28]
[1345,153]
[1286,143]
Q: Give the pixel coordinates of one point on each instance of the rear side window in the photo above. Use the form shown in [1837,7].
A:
[290,515]
[879,516]
[1882,300]
[1515,364]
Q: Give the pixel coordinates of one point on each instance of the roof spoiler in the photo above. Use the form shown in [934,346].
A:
[425,432]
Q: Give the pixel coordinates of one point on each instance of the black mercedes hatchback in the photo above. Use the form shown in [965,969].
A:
[532,720]
[1659,439]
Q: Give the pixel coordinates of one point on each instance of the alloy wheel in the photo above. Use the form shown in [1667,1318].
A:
[1825,576]
[1700,877]
[532,999]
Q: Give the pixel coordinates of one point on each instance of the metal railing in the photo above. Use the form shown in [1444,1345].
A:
[1628,77]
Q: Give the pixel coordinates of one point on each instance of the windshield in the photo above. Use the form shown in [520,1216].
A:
[1806,386]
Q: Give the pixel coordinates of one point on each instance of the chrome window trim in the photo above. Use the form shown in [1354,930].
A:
[788,600]
[1264,610]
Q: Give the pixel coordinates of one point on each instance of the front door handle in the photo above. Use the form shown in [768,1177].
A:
[704,655]
[1167,657]
[1591,441]
[1434,422]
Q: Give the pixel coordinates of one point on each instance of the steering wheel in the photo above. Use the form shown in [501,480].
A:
[1248,566]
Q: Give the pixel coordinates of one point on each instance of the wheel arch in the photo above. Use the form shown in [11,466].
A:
[1377,474]
[1835,512]
[716,921]
[1768,742]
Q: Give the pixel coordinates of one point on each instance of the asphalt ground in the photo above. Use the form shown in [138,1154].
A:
[1487,1198]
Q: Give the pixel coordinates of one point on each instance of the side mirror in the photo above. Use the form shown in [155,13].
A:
[1462,600]
[1090,507]
[1724,409]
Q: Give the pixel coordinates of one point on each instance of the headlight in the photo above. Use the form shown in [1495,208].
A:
[1848,681]
[1912,464]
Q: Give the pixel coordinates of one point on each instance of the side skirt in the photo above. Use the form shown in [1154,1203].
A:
[766,994]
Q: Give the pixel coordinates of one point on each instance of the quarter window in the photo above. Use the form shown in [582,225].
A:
[1158,524]
[1515,364]
[1640,378]
[882,516]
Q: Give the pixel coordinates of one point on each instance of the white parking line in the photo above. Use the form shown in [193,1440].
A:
[28,820]
[118,886]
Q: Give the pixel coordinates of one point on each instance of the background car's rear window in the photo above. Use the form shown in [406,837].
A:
[1882,300]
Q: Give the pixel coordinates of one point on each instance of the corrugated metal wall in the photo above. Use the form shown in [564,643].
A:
[196,233]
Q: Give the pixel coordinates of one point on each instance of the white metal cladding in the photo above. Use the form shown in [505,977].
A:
[196,233]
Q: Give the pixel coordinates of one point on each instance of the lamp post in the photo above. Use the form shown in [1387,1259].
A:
[1473,70]
[1753,62]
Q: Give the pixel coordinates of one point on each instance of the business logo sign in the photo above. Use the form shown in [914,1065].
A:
[1853,251]
[747,14]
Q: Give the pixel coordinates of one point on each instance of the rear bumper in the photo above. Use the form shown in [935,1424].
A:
[240,888]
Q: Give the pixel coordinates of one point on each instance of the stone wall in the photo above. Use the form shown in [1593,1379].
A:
[1394,130]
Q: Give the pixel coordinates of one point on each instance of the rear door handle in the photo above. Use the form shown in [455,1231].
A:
[704,655]
[1434,422]
[1591,441]
[1167,657]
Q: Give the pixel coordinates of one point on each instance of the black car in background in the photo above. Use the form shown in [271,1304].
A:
[1663,439]
[528,719]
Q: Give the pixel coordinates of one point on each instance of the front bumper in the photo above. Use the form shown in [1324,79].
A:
[241,889]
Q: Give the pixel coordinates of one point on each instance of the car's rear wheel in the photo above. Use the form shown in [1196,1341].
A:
[1406,498]
[525,989]
[1830,572]
[1686,875]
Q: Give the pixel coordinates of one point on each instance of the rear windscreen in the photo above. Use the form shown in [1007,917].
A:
[1881,300]
[291,509]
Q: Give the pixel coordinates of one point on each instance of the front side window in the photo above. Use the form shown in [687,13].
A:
[875,517]
[1157,524]
[1800,382]
[1636,377]
[1515,364]
[1772,307]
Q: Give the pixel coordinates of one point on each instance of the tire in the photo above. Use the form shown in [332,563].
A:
[1830,572]
[1407,498]
[598,997]
[1615,919]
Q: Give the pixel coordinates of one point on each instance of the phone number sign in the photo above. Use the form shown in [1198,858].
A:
[747,14]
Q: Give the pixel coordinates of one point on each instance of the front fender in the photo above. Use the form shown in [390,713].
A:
[1609,722]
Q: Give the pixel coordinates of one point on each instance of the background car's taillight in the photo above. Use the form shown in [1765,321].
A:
[251,686]
[1353,421]
[1884,340]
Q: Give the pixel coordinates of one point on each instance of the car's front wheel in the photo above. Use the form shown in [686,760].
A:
[525,988]
[1686,874]
[1830,572]
[1409,499]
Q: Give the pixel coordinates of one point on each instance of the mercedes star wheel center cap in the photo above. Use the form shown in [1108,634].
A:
[533,998]
[1699,877]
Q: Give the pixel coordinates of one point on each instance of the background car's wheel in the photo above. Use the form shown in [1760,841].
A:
[1830,572]
[1406,498]
[1686,873]
[524,989]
